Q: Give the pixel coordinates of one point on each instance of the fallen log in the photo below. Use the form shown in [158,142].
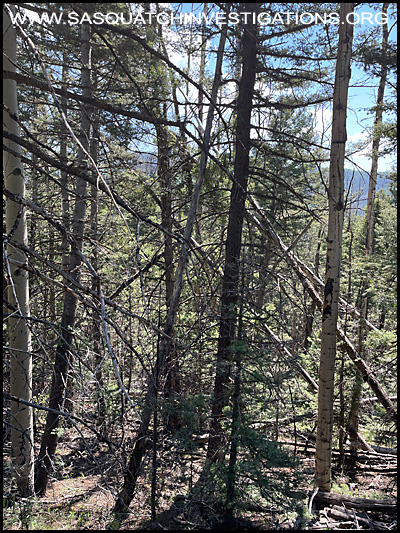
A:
[352,502]
[368,455]
[372,457]
[390,469]
[313,285]
[373,399]
[385,450]
[339,513]
[283,421]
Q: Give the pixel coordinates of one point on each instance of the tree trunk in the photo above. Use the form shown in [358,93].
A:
[353,420]
[233,244]
[18,283]
[65,196]
[172,381]
[376,142]
[384,506]
[63,357]
[312,284]
[201,103]
[202,61]
[334,253]
[94,235]
[132,472]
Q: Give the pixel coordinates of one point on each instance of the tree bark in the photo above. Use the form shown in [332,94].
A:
[385,506]
[133,468]
[18,283]
[376,142]
[94,236]
[353,420]
[233,244]
[334,253]
[63,357]
[65,196]
[172,380]
[202,61]
[312,284]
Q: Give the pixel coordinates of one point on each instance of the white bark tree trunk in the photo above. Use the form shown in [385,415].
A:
[18,288]
[334,252]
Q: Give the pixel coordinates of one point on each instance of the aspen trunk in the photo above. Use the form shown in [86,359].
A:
[18,284]
[333,254]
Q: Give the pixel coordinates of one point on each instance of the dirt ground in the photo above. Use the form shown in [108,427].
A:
[80,498]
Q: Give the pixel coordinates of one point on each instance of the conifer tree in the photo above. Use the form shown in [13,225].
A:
[230,283]
[63,357]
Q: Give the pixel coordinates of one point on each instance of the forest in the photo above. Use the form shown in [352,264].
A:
[199,266]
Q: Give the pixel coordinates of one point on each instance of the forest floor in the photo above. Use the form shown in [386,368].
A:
[80,498]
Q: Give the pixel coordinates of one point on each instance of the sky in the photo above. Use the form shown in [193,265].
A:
[362,91]
[360,99]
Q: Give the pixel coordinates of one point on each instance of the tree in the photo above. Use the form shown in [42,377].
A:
[334,252]
[18,279]
[353,420]
[375,147]
[203,212]
[63,357]
[136,456]
[230,282]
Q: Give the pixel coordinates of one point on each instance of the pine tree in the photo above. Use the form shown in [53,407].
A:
[63,358]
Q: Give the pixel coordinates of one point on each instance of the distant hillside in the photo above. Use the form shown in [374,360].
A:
[358,181]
